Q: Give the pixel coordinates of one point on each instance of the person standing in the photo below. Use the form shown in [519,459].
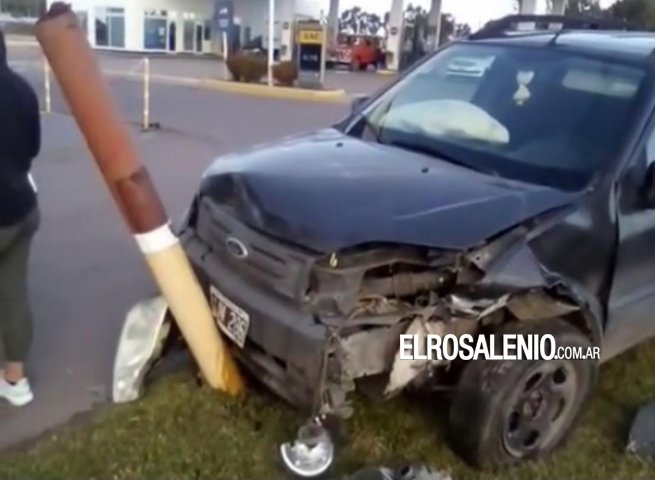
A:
[20,143]
[408,49]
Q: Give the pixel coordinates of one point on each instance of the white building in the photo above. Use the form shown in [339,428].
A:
[186,25]
[177,26]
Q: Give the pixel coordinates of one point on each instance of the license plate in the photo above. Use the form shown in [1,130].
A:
[233,321]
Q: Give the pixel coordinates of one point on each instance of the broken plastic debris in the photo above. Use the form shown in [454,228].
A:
[642,434]
[312,452]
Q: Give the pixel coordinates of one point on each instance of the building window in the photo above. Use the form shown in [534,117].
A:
[110,27]
[23,8]
[154,29]
[189,35]
[208,30]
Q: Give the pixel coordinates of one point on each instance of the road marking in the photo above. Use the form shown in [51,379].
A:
[23,65]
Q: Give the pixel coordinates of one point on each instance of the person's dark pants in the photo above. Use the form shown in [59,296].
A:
[15,313]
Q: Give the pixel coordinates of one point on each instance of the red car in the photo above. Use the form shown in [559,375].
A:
[355,51]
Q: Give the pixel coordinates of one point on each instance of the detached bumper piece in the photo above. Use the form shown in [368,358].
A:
[140,343]
[410,472]
[311,454]
[641,441]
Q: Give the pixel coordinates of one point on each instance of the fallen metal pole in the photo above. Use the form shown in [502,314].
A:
[76,68]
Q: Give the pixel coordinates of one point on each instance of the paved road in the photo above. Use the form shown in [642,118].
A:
[85,271]
[199,67]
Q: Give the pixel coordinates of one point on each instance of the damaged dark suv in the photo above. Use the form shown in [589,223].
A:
[506,184]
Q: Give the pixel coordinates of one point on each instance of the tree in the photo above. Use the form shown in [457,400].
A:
[356,20]
[640,12]
[23,8]
[578,7]
[349,19]
[462,30]
[417,20]
[374,23]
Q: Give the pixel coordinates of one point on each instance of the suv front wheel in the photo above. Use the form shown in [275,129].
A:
[504,411]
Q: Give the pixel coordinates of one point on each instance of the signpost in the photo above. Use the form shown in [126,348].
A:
[224,21]
[310,44]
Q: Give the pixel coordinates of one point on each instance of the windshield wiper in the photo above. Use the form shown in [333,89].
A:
[440,154]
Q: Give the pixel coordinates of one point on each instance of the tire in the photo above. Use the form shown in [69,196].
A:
[355,65]
[492,418]
[363,67]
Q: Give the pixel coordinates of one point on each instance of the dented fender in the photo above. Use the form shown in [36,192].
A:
[509,264]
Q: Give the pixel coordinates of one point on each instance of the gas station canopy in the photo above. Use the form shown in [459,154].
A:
[191,26]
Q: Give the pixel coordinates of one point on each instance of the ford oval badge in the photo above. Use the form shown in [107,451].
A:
[236,248]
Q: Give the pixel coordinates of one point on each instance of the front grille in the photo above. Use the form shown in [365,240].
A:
[279,267]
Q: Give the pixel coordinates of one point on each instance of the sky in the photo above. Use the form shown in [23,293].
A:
[473,12]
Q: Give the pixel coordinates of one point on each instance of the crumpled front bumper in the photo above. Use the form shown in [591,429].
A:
[285,345]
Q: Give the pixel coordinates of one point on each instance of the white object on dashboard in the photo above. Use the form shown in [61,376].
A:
[443,118]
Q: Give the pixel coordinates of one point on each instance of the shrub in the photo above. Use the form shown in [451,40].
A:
[254,68]
[286,73]
[234,65]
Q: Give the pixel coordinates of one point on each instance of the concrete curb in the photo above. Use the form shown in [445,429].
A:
[171,79]
[386,72]
[289,93]
[328,96]
[13,40]
[22,43]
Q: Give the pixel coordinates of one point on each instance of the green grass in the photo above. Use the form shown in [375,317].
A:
[182,431]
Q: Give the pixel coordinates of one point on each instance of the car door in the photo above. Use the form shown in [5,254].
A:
[631,308]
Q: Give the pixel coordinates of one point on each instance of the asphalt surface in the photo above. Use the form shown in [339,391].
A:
[190,66]
[352,82]
[85,270]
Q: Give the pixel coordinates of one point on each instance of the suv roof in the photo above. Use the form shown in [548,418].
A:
[594,35]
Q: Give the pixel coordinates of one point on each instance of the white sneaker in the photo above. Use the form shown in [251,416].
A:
[18,394]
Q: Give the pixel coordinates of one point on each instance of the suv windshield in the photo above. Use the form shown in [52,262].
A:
[539,115]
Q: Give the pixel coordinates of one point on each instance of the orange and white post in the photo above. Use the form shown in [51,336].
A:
[76,68]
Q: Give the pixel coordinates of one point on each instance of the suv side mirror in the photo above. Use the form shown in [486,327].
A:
[649,186]
[358,101]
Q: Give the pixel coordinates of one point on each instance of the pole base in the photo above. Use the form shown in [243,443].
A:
[151,126]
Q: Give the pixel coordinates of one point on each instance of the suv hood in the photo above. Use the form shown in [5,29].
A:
[327,191]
